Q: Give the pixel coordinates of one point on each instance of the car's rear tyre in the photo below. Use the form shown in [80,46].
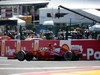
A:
[68,56]
[21,55]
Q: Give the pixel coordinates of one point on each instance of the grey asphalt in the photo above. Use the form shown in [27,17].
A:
[13,66]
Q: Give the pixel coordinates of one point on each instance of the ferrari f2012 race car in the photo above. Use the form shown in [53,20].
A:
[50,53]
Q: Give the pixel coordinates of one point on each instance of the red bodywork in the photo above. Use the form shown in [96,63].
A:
[47,54]
[50,53]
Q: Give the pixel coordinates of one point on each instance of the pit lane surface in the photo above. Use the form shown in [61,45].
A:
[15,67]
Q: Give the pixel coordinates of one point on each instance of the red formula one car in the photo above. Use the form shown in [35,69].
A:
[50,53]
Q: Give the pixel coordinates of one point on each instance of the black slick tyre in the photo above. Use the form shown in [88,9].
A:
[29,57]
[68,56]
[21,55]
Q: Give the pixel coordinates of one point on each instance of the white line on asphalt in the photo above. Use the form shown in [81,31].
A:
[38,68]
[32,68]
[36,72]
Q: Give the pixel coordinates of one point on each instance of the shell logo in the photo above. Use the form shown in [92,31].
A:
[65,46]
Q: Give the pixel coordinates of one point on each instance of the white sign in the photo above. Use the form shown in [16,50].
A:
[90,52]
[3,12]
